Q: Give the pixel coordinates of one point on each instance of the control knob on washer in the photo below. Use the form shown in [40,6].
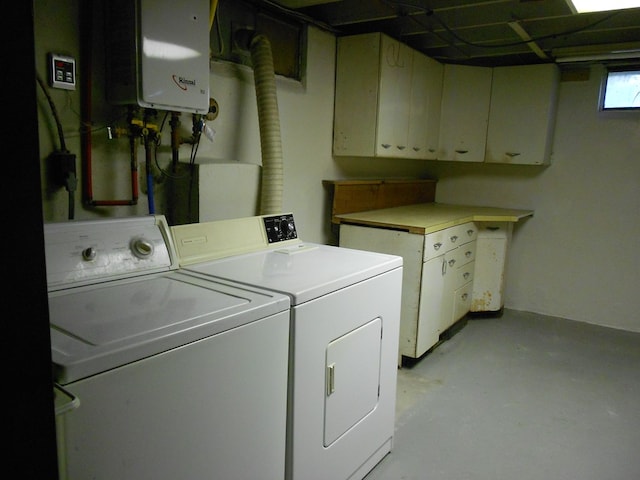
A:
[89,254]
[141,247]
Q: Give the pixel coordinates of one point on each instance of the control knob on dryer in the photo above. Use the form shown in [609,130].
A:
[287,226]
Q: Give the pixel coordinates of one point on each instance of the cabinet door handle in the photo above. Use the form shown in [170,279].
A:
[454,238]
[462,151]
[512,154]
[436,246]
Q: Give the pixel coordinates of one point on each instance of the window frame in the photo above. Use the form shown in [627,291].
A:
[605,83]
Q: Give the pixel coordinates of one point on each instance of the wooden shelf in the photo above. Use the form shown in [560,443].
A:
[351,196]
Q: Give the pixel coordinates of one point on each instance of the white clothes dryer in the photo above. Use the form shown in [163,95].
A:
[345,314]
[160,374]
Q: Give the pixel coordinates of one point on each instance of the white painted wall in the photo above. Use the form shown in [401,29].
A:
[306,126]
[576,258]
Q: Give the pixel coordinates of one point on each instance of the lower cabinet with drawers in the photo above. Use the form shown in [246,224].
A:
[438,272]
[454,259]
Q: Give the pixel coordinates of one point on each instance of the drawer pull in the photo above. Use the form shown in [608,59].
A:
[464,296]
[462,151]
[465,275]
[386,145]
[401,147]
[454,238]
[512,154]
[452,262]
[436,246]
[470,232]
[468,253]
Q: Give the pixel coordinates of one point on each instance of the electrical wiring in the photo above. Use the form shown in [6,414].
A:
[64,160]
[430,13]
[54,112]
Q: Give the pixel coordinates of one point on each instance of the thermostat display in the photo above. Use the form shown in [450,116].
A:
[62,72]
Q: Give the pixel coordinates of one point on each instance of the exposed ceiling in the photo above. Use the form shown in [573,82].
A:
[477,32]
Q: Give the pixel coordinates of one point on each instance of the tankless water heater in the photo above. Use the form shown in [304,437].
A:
[158,54]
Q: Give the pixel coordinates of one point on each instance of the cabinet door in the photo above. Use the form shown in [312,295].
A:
[490,266]
[430,309]
[356,97]
[449,279]
[522,114]
[393,105]
[424,114]
[466,93]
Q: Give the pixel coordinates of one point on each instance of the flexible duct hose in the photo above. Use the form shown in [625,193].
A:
[269,123]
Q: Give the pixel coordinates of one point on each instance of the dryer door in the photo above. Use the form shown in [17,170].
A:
[352,379]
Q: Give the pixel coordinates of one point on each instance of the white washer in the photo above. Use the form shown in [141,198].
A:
[345,313]
[160,374]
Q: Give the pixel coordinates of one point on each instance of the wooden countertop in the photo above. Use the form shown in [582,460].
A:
[430,217]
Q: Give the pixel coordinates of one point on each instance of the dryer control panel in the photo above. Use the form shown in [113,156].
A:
[203,242]
[280,228]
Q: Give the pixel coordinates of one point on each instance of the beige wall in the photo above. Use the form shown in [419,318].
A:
[575,258]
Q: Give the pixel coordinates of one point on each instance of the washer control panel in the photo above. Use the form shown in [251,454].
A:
[280,228]
[92,251]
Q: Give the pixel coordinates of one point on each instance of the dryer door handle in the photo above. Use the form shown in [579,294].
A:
[331,379]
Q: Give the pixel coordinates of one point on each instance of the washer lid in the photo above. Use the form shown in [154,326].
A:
[303,271]
[94,329]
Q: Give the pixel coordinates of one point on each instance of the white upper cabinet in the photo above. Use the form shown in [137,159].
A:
[522,114]
[384,105]
[466,94]
[396,61]
[392,101]
[425,103]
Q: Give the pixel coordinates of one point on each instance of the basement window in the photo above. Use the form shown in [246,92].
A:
[621,89]
[286,35]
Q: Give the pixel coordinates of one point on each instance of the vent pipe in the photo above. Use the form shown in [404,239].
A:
[269,123]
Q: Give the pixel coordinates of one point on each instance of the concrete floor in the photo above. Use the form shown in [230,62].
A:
[520,397]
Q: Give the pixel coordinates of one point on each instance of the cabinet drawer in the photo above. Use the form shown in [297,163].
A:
[460,256]
[436,244]
[467,232]
[465,253]
[447,239]
[464,274]
[462,301]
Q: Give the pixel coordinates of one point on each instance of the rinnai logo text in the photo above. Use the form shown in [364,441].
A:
[183,83]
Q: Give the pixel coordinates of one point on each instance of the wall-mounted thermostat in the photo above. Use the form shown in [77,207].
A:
[62,72]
